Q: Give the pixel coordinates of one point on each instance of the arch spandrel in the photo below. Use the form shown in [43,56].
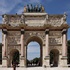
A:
[34,38]
[56,48]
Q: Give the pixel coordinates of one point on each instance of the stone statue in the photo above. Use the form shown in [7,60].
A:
[5,19]
[25,9]
[31,8]
[42,8]
[28,8]
[64,16]
[22,18]
[36,8]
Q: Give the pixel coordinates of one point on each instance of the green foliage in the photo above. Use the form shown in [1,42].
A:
[36,60]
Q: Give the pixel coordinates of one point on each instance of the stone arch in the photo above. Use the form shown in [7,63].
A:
[34,38]
[12,53]
[54,58]
[38,40]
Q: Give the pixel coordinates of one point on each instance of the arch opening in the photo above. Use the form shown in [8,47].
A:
[54,58]
[14,58]
[34,52]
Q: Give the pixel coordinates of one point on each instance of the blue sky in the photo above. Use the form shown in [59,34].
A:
[33,50]
[51,7]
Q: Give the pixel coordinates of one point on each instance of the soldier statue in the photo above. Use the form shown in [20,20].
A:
[42,9]
[36,8]
[25,9]
[31,8]
[28,8]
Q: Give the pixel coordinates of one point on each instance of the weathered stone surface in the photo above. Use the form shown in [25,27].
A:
[23,28]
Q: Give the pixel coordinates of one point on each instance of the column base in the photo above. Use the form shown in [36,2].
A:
[46,62]
[22,61]
[4,61]
[64,61]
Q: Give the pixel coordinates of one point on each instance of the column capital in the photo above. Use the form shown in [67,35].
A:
[4,31]
[46,31]
[64,31]
[22,31]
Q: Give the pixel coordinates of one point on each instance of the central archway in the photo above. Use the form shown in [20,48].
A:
[35,44]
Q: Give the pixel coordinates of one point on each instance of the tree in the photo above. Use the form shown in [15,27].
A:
[36,61]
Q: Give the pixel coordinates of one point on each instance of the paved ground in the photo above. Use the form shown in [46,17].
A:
[36,68]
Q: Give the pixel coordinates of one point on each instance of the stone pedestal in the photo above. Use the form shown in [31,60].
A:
[22,62]
[4,61]
[64,61]
[46,63]
[60,61]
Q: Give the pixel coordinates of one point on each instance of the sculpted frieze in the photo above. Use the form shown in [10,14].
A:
[14,33]
[14,20]
[55,33]
[55,40]
[55,22]
[13,40]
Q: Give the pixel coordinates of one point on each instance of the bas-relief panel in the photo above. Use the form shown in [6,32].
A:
[14,37]
[55,22]
[55,41]
[55,37]
[14,21]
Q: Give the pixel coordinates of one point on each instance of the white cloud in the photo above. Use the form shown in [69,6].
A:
[7,5]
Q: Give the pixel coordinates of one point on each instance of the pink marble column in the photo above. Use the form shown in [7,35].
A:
[47,42]
[4,42]
[64,41]
[22,42]
[4,45]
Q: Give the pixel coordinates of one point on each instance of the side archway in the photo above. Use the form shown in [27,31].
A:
[54,58]
[13,57]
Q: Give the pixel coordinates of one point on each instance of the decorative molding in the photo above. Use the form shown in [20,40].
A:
[4,31]
[22,31]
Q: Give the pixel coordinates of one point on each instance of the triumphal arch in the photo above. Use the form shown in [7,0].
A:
[50,31]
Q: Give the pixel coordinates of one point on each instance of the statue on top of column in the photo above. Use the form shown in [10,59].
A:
[5,19]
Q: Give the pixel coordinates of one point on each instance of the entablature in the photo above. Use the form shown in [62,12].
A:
[24,26]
